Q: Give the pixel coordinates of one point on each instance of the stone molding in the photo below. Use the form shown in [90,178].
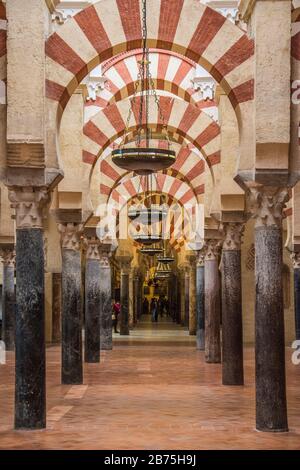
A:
[29,204]
[212,249]
[266,204]
[295,257]
[233,233]
[71,234]
[8,257]
[200,258]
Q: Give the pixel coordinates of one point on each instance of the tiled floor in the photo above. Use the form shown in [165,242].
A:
[153,391]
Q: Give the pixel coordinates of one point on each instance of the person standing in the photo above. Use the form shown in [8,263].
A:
[145,306]
[115,315]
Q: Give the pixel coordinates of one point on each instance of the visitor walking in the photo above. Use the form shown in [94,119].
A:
[115,315]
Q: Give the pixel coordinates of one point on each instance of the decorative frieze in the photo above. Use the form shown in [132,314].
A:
[233,233]
[266,204]
[71,235]
[29,204]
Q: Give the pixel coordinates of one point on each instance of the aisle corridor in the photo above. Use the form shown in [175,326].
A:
[153,391]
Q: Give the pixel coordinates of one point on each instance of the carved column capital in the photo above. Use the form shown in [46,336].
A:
[200,258]
[70,234]
[266,203]
[212,249]
[92,246]
[233,233]
[125,264]
[8,257]
[105,254]
[29,204]
[295,257]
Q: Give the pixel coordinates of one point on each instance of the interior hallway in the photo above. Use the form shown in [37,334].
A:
[153,391]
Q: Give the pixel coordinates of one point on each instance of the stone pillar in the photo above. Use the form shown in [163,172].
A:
[131,299]
[92,301]
[8,256]
[124,316]
[72,367]
[30,387]
[232,326]
[212,302]
[271,409]
[106,342]
[200,301]
[136,296]
[296,265]
[56,307]
[192,297]
[186,296]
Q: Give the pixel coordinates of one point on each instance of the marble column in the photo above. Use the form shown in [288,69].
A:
[212,302]
[8,256]
[178,306]
[232,325]
[131,305]
[267,205]
[56,307]
[192,297]
[186,296]
[136,296]
[200,301]
[106,341]
[72,367]
[29,204]
[92,301]
[124,316]
[296,265]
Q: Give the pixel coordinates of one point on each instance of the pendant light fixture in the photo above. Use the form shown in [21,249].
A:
[144,159]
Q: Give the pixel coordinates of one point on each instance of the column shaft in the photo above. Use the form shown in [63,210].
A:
[72,367]
[56,307]
[271,411]
[8,307]
[192,302]
[124,320]
[92,311]
[232,329]
[106,342]
[30,387]
[186,300]
[200,308]
[212,308]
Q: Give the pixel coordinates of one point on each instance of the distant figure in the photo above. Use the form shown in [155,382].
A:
[153,309]
[115,315]
[146,306]
[160,307]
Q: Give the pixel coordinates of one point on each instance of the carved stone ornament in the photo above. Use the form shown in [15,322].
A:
[8,257]
[295,257]
[92,246]
[29,204]
[200,258]
[233,233]
[70,236]
[267,204]
[212,249]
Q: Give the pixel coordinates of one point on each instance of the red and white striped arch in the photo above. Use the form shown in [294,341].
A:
[188,168]
[170,72]
[187,27]
[183,120]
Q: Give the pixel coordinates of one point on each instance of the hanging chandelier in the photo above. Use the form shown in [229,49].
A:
[151,250]
[162,271]
[165,259]
[144,159]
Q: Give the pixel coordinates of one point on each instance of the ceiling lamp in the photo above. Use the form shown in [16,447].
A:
[165,259]
[148,215]
[163,269]
[147,239]
[151,250]
[144,159]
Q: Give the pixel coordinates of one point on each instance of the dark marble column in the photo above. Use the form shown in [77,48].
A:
[30,369]
[186,297]
[192,296]
[136,296]
[124,320]
[271,408]
[106,342]
[212,302]
[72,367]
[200,301]
[92,300]
[178,306]
[232,326]
[8,256]
[296,265]
[56,307]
